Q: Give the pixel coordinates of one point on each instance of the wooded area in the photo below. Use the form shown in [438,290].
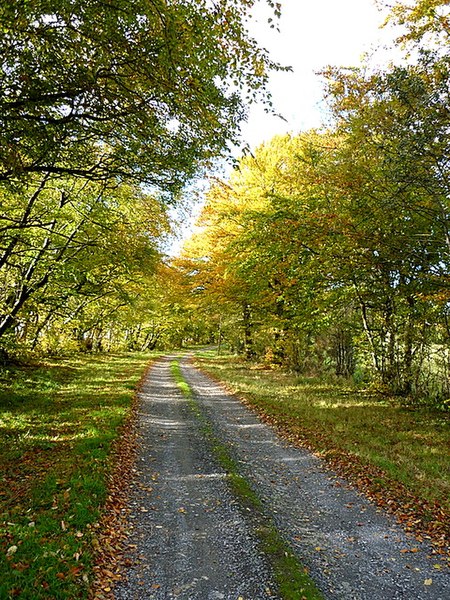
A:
[328,251]
[107,110]
[325,251]
[321,265]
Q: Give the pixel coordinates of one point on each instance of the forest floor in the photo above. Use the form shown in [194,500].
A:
[222,507]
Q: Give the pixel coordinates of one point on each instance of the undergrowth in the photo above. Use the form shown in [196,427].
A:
[58,421]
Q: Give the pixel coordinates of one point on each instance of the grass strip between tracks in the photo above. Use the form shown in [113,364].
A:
[290,575]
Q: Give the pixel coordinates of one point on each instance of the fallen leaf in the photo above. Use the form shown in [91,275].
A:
[428,581]
[20,566]
[11,550]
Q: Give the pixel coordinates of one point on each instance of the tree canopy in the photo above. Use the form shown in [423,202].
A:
[98,99]
[329,250]
[141,89]
[323,251]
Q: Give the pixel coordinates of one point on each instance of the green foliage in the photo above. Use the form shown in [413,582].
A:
[396,158]
[331,250]
[425,23]
[131,89]
[70,246]
[97,101]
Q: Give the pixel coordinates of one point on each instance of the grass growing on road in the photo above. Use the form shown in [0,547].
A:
[290,575]
[57,423]
[404,447]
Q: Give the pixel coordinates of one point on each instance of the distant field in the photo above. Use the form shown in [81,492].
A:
[57,423]
[372,439]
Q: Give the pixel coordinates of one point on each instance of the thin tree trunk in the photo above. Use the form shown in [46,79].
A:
[23,222]
[248,332]
[367,330]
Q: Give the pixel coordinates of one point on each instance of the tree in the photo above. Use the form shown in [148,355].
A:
[426,23]
[261,235]
[134,88]
[76,248]
[393,173]
[327,236]
[339,242]
[98,95]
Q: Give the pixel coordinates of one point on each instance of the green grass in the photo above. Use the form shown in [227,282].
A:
[409,446]
[57,423]
[290,575]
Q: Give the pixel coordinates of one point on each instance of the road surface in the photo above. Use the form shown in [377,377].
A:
[190,539]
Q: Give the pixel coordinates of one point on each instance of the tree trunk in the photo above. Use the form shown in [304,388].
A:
[248,332]
[344,354]
[407,383]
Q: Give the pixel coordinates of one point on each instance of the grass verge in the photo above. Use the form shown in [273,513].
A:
[58,423]
[397,456]
[290,575]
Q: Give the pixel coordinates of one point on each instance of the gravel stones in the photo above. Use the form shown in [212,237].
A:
[188,537]
[352,549]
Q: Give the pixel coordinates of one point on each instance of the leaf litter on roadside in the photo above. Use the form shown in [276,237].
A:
[109,542]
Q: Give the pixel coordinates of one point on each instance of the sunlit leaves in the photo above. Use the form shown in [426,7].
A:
[342,239]
[131,89]
[426,22]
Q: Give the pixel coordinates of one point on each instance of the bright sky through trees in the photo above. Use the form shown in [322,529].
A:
[312,35]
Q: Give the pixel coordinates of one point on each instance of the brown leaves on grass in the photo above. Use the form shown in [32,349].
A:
[110,535]
[424,519]
[20,476]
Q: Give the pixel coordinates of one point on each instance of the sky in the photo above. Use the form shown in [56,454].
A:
[313,34]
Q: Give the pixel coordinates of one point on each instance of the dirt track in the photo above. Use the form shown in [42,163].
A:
[190,539]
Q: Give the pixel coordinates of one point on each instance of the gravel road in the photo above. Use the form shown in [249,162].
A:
[190,539]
